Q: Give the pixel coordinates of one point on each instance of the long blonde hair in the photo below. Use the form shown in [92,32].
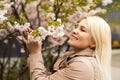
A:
[101,33]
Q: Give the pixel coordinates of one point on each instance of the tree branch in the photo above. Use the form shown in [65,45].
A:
[57,9]
[23,9]
[38,13]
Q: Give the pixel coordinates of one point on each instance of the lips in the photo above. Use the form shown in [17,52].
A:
[74,37]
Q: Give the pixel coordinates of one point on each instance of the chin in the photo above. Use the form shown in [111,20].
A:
[75,44]
[71,43]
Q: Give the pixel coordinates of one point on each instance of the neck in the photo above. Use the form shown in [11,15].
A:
[86,51]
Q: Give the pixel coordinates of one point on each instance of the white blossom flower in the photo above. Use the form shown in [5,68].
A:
[21,28]
[10,27]
[51,15]
[100,10]
[13,45]
[106,2]
[52,1]
[90,1]
[34,38]
[20,1]
[19,39]
[56,41]
[40,34]
[3,33]
[79,9]
[17,26]
[2,16]
[6,41]
[22,50]
[50,8]
[8,5]
[26,25]
[59,32]
[3,12]
[92,12]
[59,20]
[30,37]
[56,31]
[86,8]
[51,29]
[84,14]
[43,32]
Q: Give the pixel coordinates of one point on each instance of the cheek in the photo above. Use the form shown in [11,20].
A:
[81,43]
[85,40]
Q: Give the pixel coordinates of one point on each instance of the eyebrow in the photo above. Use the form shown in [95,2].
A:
[82,26]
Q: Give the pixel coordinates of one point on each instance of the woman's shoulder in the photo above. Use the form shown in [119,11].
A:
[82,65]
[86,62]
[82,58]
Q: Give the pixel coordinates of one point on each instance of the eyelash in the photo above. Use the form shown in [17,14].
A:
[76,26]
[83,30]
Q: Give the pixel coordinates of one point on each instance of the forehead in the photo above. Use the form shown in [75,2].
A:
[83,23]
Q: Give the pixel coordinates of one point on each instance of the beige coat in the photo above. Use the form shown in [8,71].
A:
[80,66]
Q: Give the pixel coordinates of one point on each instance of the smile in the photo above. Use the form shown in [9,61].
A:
[74,37]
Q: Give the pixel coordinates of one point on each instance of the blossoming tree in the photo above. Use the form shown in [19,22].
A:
[51,21]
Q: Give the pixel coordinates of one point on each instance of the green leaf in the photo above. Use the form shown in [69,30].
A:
[29,1]
[23,20]
[62,0]
[1,7]
[2,26]
[36,33]
[45,7]
[64,19]
[56,23]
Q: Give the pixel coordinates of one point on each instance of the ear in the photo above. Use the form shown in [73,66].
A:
[93,44]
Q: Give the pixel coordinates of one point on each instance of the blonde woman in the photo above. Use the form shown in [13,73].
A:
[90,59]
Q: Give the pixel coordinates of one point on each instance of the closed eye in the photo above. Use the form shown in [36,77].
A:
[83,29]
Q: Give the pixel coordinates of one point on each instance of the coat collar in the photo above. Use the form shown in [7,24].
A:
[85,52]
[62,62]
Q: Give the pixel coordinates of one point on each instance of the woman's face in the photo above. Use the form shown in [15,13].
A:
[80,37]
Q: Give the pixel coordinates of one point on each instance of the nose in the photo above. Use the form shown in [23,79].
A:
[75,31]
